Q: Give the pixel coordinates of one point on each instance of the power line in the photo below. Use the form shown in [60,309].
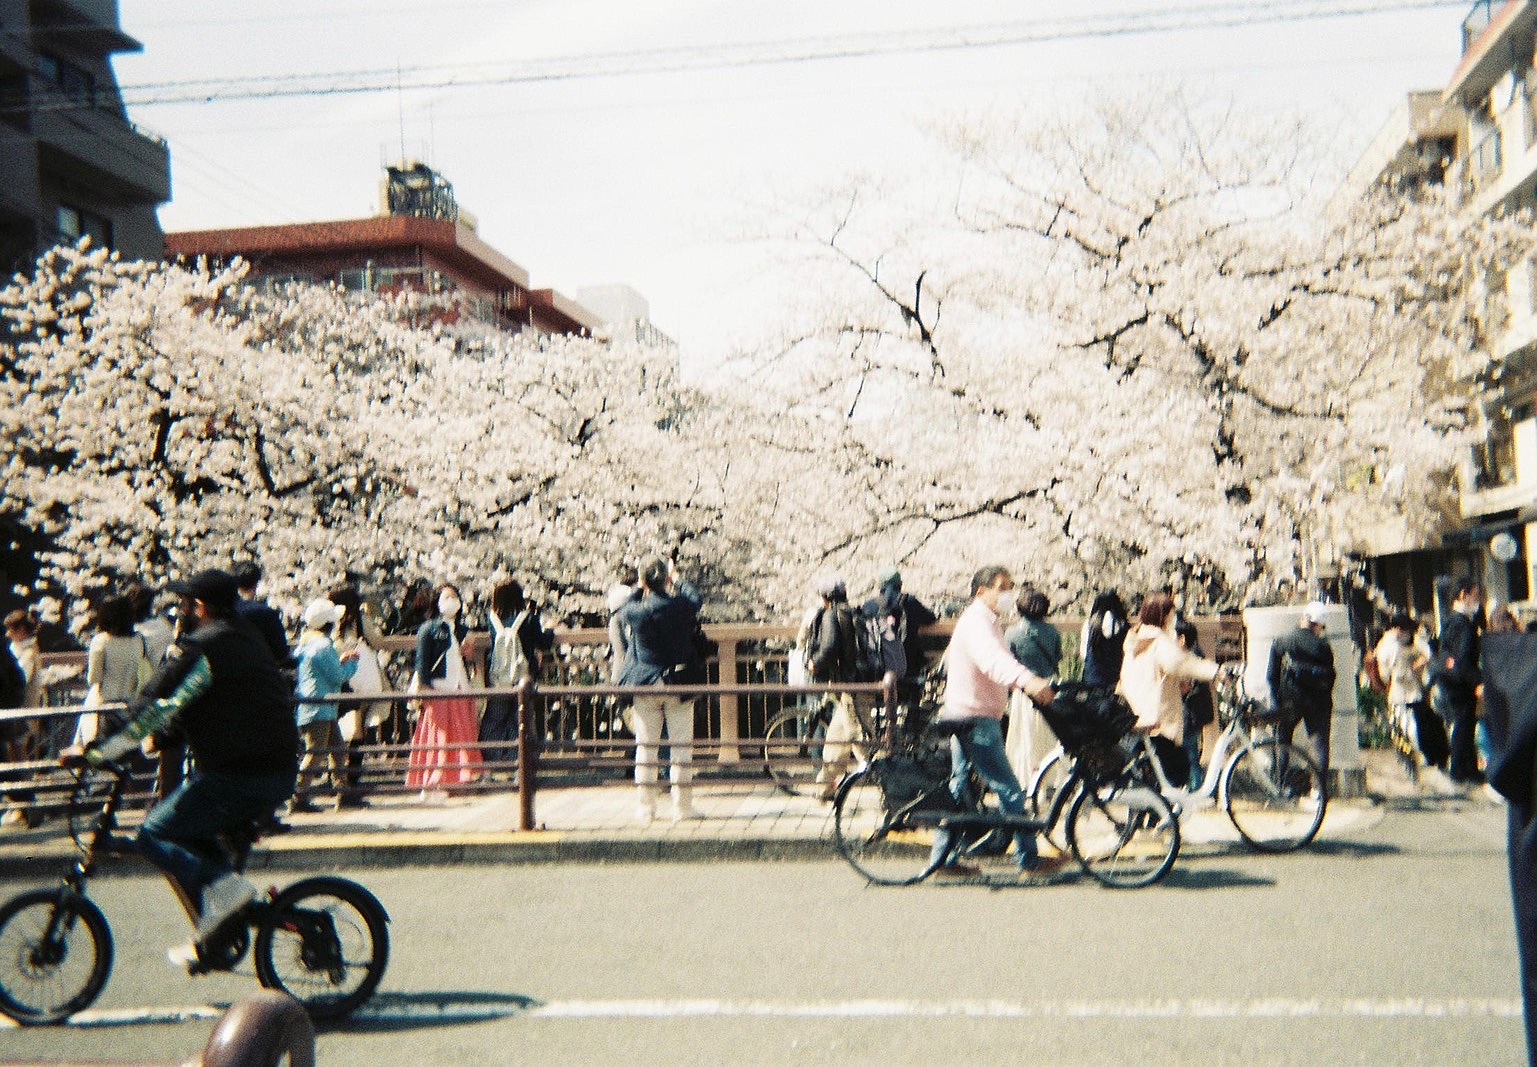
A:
[764,53]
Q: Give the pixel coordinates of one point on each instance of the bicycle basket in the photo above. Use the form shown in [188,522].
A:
[904,781]
[1088,717]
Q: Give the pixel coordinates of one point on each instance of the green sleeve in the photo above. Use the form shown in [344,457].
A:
[157,714]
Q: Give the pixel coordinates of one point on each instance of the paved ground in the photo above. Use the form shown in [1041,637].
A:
[736,821]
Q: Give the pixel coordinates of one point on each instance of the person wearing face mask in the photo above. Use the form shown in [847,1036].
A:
[432,767]
[980,674]
[1154,665]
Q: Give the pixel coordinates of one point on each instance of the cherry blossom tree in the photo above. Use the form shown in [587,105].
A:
[159,418]
[1129,346]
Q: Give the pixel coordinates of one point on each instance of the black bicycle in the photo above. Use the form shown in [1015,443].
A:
[324,940]
[886,818]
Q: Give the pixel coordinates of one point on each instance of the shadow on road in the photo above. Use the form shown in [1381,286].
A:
[1357,849]
[395,1012]
[1200,878]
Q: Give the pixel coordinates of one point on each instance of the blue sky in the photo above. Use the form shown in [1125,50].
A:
[635,176]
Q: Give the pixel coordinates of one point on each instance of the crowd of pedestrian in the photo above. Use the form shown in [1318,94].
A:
[454,738]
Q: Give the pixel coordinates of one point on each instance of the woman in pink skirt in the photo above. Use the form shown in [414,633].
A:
[440,669]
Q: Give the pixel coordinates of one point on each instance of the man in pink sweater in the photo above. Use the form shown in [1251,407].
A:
[980,670]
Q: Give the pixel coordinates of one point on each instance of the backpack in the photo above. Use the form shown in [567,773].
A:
[1301,684]
[1373,671]
[508,663]
[870,647]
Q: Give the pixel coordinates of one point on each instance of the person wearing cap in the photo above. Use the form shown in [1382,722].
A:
[831,656]
[908,616]
[322,673]
[220,688]
[1301,677]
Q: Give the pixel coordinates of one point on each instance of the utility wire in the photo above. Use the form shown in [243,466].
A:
[755,54]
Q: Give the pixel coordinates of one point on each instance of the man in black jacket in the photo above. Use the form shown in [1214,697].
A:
[262,615]
[1301,677]
[1456,675]
[908,616]
[219,689]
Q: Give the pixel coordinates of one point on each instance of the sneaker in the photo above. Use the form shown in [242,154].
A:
[645,815]
[301,807]
[684,812]
[223,899]
[1045,866]
[184,957]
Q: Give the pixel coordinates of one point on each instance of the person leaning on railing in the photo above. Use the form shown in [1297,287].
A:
[661,626]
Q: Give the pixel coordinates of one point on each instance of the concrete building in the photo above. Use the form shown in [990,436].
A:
[71,163]
[1479,135]
[421,241]
[624,312]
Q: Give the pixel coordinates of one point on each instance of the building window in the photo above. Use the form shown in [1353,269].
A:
[75,223]
[75,83]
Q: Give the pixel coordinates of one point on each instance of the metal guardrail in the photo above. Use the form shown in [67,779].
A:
[42,786]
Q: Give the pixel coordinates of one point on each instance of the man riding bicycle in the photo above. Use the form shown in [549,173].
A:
[222,691]
[980,672]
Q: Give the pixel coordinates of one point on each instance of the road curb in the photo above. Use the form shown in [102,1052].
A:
[365,851]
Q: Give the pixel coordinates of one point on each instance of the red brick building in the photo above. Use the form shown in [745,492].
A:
[422,246]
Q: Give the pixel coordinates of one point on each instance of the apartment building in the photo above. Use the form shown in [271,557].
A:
[421,241]
[1479,135]
[71,164]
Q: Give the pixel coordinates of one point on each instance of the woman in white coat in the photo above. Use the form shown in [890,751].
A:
[1154,665]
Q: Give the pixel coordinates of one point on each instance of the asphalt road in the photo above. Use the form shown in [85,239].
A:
[1391,947]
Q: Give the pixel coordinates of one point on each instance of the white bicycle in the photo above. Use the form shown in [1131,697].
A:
[1272,790]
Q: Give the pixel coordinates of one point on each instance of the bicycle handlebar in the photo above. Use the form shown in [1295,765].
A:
[77,763]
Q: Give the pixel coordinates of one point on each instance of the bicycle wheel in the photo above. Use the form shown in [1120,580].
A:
[1275,795]
[325,942]
[55,955]
[887,848]
[1053,774]
[1123,833]
[792,751]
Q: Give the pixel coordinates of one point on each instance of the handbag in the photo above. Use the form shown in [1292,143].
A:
[145,670]
[88,726]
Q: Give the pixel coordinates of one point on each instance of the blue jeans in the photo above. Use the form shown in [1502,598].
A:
[180,835]
[979,746]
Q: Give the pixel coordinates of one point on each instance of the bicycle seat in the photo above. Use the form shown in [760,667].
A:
[953,727]
[238,840]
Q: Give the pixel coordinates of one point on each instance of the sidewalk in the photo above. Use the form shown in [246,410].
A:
[597,824]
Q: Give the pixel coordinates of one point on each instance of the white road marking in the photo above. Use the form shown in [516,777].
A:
[423,1008]
[1265,1008]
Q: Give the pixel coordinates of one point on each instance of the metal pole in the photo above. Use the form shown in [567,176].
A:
[527,755]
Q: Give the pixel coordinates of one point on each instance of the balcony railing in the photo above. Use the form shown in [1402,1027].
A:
[1486,162]
[1476,22]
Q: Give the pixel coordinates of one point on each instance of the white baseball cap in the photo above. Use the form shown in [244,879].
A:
[322,613]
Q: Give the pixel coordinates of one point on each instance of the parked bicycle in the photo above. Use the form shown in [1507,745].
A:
[323,940]
[1123,833]
[792,745]
[1271,790]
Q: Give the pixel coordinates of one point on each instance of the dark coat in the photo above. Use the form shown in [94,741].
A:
[1314,672]
[1459,644]
[432,645]
[834,653]
[662,647]
[269,624]
[244,723]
